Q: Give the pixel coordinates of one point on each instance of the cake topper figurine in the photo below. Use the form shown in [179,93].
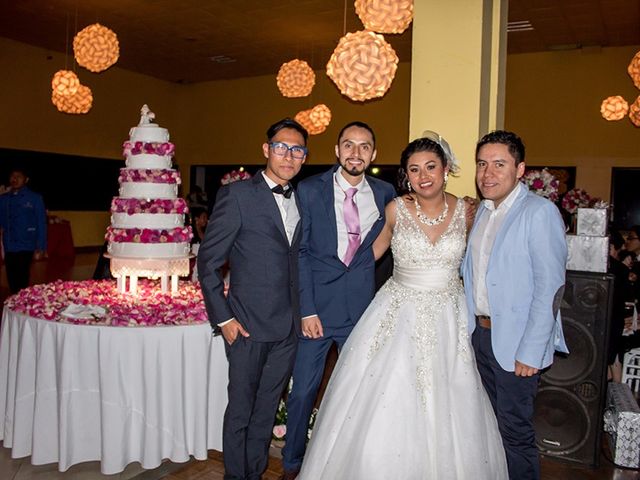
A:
[146,115]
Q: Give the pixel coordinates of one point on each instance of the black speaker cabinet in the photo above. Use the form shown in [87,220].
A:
[570,401]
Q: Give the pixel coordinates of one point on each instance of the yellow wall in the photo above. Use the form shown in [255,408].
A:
[552,99]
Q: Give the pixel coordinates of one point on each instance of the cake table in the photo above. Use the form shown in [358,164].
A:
[87,374]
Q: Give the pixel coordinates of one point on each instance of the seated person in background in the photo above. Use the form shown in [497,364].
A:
[23,221]
[621,292]
[199,220]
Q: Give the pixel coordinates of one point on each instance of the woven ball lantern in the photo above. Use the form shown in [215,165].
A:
[96,48]
[317,126]
[78,103]
[614,108]
[363,65]
[634,112]
[296,79]
[65,82]
[634,70]
[385,16]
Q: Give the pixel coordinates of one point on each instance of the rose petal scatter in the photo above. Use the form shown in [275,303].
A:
[150,308]
[295,79]
[614,108]
[96,48]
[363,65]
[385,16]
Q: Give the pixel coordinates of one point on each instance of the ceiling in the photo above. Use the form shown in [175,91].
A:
[175,40]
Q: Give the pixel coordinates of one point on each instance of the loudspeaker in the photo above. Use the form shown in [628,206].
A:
[570,401]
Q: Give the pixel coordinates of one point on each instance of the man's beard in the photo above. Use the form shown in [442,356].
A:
[353,171]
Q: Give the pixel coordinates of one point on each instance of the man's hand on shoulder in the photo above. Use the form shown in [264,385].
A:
[231,330]
[523,370]
[312,327]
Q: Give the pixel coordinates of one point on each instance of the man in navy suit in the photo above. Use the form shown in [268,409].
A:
[342,213]
[255,227]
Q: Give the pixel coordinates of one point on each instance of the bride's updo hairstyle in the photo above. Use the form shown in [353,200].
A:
[423,144]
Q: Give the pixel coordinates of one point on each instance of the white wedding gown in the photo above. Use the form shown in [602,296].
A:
[405,401]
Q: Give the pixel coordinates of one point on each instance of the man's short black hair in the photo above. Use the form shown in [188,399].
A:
[287,123]
[359,125]
[510,139]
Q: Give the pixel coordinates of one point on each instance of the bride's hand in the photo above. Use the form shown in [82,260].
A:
[312,327]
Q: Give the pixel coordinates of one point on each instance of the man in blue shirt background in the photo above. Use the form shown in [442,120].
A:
[24,229]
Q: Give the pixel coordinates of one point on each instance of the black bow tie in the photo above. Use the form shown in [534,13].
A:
[280,190]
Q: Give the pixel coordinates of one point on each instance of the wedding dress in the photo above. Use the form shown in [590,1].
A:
[405,400]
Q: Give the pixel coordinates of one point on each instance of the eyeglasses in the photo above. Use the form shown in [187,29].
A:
[281,150]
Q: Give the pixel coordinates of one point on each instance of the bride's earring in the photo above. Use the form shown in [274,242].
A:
[409,186]
[446,177]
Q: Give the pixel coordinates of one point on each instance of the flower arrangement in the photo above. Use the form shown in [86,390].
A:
[280,427]
[149,235]
[542,183]
[234,176]
[149,175]
[154,148]
[151,307]
[574,199]
[157,205]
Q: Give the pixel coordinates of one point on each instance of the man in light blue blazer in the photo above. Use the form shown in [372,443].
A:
[514,274]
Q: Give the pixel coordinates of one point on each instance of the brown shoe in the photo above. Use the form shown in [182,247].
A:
[289,475]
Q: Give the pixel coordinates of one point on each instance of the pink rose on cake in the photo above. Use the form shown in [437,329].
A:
[149,235]
[153,148]
[158,205]
[148,175]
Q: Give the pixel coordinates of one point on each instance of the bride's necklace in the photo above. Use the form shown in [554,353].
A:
[431,221]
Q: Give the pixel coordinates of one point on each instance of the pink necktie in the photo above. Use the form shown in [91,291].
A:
[352,221]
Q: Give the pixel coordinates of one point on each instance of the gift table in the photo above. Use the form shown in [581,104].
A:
[110,378]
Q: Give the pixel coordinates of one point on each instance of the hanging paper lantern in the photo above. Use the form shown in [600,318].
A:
[634,112]
[634,70]
[96,48]
[363,65]
[296,79]
[320,115]
[315,120]
[79,102]
[385,16]
[65,82]
[614,108]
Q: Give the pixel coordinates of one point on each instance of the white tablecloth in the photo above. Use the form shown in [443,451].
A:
[77,393]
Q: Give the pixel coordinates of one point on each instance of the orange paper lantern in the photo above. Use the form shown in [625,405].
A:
[78,103]
[96,48]
[634,70]
[65,82]
[296,79]
[315,120]
[634,112]
[614,108]
[385,16]
[363,65]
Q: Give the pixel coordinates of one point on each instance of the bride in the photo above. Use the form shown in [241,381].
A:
[405,400]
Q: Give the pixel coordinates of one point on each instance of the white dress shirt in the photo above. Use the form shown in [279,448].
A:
[482,242]
[288,209]
[367,209]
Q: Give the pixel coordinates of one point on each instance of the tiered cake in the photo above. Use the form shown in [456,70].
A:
[147,236]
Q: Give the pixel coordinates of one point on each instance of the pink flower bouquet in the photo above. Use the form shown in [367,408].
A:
[234,176]
[574,199]
[542,183]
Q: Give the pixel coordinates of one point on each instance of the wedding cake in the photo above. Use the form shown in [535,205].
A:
[147,236]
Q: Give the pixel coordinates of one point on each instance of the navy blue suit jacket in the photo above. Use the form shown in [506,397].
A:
[328,288]
[246,230]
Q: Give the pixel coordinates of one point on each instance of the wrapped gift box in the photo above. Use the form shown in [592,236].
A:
[592,221]
[587,253]
[622,423]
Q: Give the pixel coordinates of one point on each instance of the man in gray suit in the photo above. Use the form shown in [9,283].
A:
[255,227]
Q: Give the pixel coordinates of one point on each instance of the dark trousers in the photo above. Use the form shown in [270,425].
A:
[512,399]
[308,371]
[18,265]
[258,372]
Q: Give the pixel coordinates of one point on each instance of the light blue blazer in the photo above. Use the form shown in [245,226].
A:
[525,282]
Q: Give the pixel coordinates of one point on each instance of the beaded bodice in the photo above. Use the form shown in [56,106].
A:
[412,248]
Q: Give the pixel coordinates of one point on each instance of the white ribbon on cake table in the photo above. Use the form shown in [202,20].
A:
[78,393]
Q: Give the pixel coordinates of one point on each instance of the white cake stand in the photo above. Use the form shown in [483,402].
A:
[134,268]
